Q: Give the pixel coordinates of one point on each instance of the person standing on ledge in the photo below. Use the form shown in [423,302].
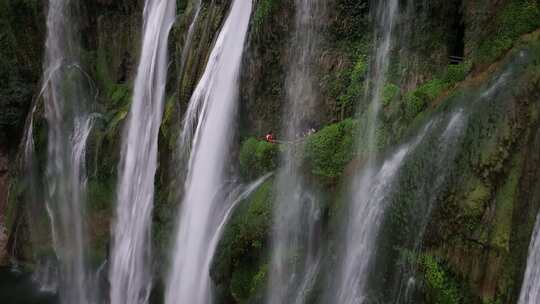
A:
[270,138]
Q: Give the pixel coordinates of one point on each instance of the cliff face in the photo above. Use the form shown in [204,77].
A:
[470,247]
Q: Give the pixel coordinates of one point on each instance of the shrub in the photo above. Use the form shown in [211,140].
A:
[257,157]
[330,149]
[457,72]
[350,85]
[359,70]
[417,100]
[431,89]
[413,105]
[442,287]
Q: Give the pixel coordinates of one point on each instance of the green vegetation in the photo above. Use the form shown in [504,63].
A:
[417,100]
[442,287]
[348,85]
[330,149]
[263,11]
[120,94]
[474,214]
[241,263]
[101,194]
[505,204]
[517,18]
[389,93]
[257,157]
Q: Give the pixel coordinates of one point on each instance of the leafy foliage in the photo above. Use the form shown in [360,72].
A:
[347,85]
[257,157]
[517,18]
[442,286]
[390,92]
[416,101]
[240,263]
[330,149]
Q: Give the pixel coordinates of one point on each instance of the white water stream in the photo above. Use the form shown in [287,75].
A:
[295,241]
[69,125]
[214,104]
[129,273]
[370,186]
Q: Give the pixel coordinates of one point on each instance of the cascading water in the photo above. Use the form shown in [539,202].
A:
[386,16]
[129,271]
[214,103]
[530,290]
[297,212]
[370,186]
[366,216]
[435,167]
[69,124]
[441,142]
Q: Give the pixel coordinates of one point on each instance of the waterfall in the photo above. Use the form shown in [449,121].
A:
[530,290]
[435,159]
[69,124]
[297,213]
[369,188]
[367,212]
[203,207]
[386,16]
[129,273]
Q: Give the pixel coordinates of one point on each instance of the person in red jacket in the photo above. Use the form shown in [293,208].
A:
[270,138]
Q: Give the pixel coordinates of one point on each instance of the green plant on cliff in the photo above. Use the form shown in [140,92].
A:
[264,9]
[517,18]
[101,194]
[330,149]
[257,157]
[350,83]
[240,264]
[417,100]
[441,285]
[120,94]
